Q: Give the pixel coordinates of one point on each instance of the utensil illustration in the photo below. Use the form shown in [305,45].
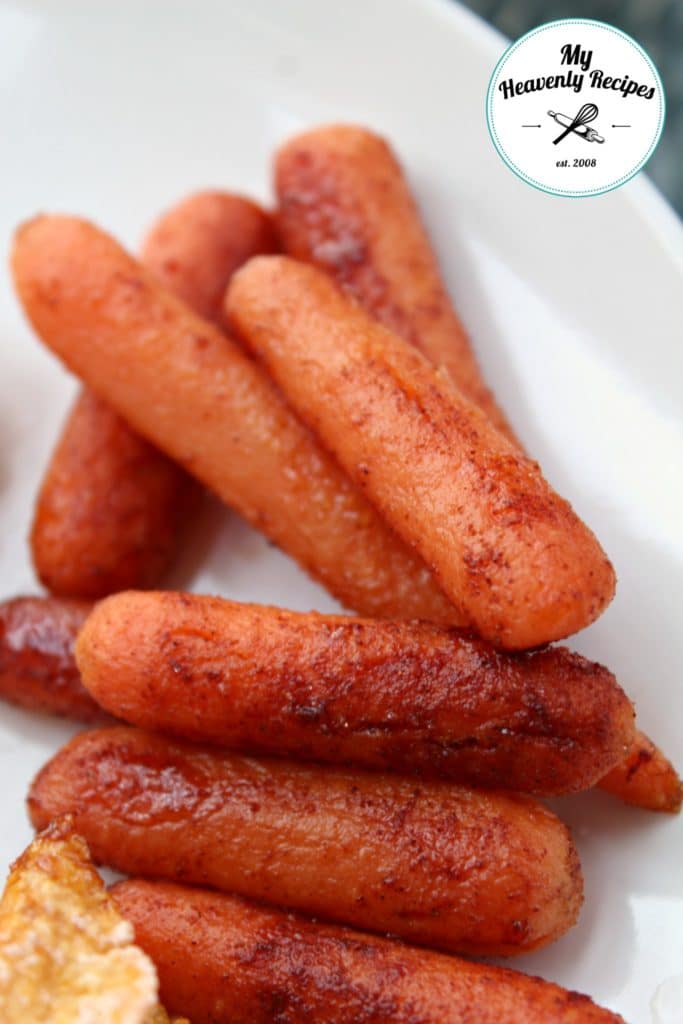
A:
[586,133]
[588,112]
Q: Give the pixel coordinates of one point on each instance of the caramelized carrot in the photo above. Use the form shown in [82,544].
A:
[345,206]
[433,862]
[191,391]
[111,506]
[406,697]
[507,550]
[37,666]
[221,960]
[197,245]
[645,778]
[38,671]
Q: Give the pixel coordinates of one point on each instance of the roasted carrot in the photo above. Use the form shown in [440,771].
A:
[196,395]
[222,960]
[433,862]
[196,246]
[345,206]
[507,550]
[406,697]
[38,671]
[37,666]
[111,506]
[645,778]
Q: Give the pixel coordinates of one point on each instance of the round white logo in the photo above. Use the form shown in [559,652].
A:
[575,107]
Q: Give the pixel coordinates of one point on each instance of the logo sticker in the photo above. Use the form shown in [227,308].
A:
[575,107]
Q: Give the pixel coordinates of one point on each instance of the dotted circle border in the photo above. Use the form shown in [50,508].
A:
[572,193]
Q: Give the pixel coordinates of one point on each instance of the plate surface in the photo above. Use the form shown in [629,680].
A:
[114,111]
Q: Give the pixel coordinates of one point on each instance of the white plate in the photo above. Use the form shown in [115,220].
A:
[115,110]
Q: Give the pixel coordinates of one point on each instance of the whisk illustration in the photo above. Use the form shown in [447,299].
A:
[578,124]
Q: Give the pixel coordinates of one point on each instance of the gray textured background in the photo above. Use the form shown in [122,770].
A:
[656,24]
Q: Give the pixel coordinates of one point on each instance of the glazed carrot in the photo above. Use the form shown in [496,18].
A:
[196,246]
[433,862]
[406,697]
[646,778]
[505,547]
[111,506]
[221,960]
[37,666]
[38,671]
[345,206]
[192,392]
